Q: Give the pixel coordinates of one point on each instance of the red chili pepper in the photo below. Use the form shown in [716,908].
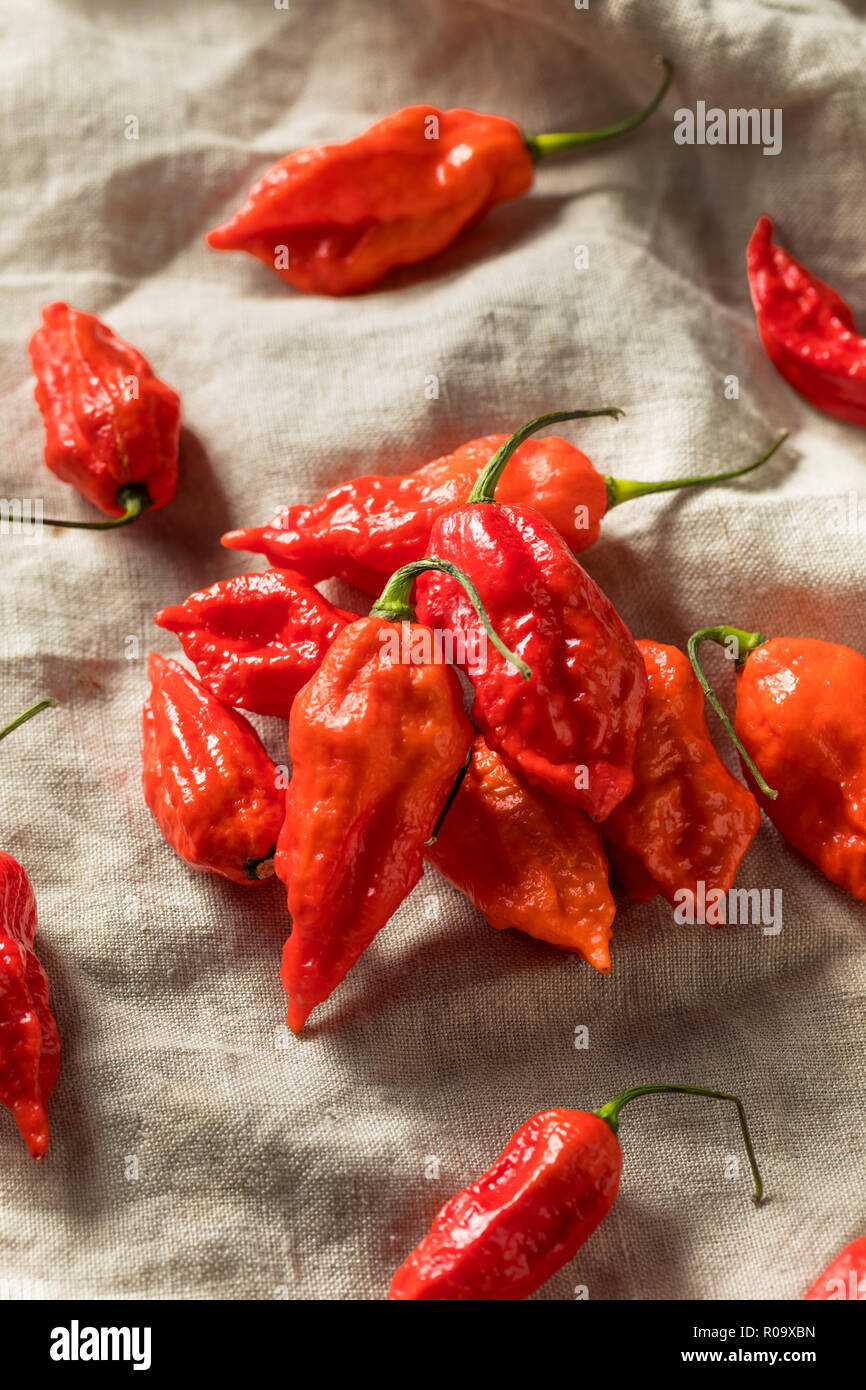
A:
[207,779]
[807,329]
[365,529]
[504,1236]
[335,219]
[376,740]
[844,1278]
[800,728]
[686,820]
[256,639]
[573,727]
[111,426]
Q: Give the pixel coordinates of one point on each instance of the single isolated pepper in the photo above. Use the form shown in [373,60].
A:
[807,329]
[111,427]
[208,781]
[376,740]
[364,529]
[504,1236]
[572,728]
[800,728]
[335,219]
[844,1278]
[686,820]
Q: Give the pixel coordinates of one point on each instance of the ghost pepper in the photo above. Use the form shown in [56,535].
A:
[844,1279]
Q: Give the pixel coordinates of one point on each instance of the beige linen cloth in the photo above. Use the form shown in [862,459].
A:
[199,1151]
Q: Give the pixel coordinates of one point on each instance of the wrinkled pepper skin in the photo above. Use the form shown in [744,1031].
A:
[375,744]
[29,1044]
[256,639]
[801,716]
[807,329]
[364,529]
[686,820]
[526,860]
[504,1236]
[572,728]
[397,194]
[207,779]
[844,1278]
[109,422]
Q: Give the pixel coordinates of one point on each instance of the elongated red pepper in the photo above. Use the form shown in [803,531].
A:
[111,427]
[807,329]
[364,529]
[573,727]
[844,1278]
[800,728]
[209,783]
[337,218]
[504,1236]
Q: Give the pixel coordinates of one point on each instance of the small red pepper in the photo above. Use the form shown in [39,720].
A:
[800,729]
[364,529]
[111,427]
[211,786]
[335,219]
[844,1278]
[504,1236]
[686,820]
[807,329]
[573,727]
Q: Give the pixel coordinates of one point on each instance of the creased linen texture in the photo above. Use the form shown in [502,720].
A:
[198,1151]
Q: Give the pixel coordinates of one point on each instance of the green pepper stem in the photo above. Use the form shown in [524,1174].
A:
[623,490]
[28,714]
[450,799]
[540,146]
[746,642]
[393,603]
[610,1114]
[133,497]
[487,480]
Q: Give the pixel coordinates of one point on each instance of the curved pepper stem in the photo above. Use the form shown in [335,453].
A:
[393,603]
[540,146]
[610,1114]
[28,714]
[623,490]
[746,642]
[487,480]
[133,497]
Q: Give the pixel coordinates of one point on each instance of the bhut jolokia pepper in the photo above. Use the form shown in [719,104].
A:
[376,740]
[29,1042]
[504,1236]
[213,790]
[573,727]
[844,1278]
[800,728]
[111,427]
[335,219]
[807,329]
[364,529]
[526,860]
[686,821]
[256,639]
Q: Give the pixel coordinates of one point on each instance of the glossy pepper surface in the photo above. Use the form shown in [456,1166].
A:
[336,218]
[844,1278]
[526,860]
[801,727]
[256,639]
[208,781]
[807,329]
[504,1236]
[364,529]
[572,728]
[686,820]
[111,427]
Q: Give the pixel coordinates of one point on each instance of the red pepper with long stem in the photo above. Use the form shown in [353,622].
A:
[336,219]
[844,1278]
[504,1236]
